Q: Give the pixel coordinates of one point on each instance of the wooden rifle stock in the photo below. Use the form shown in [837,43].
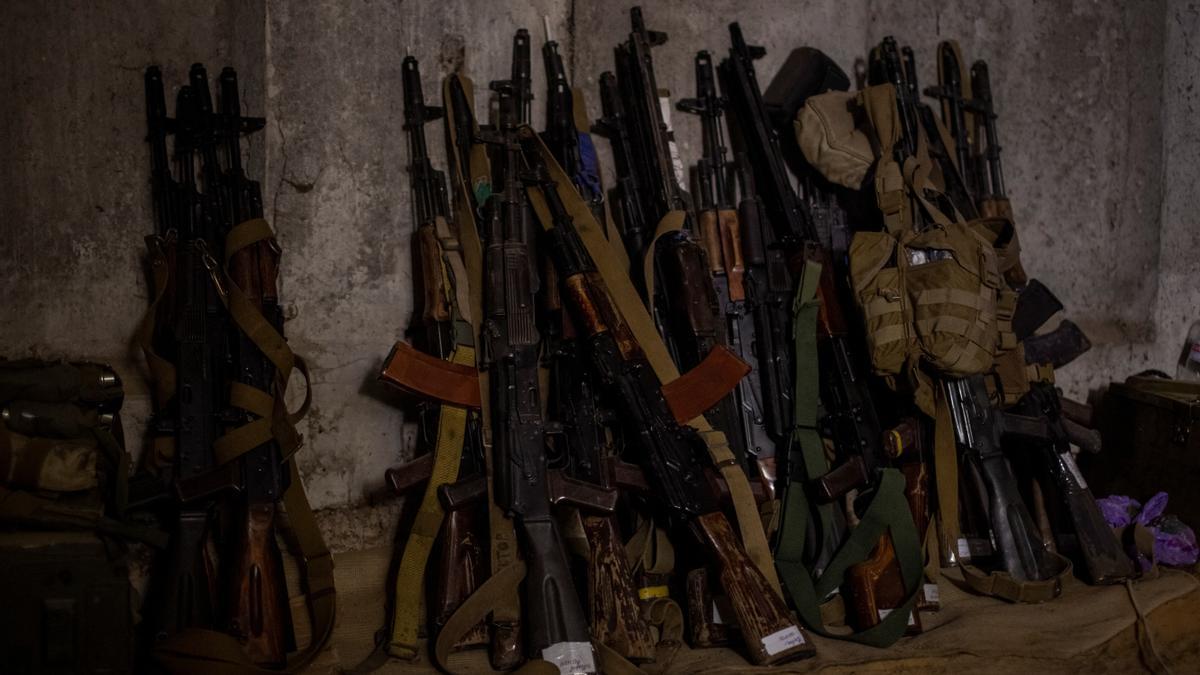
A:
[614,613]
[876,585]
[260,615]
[770,635]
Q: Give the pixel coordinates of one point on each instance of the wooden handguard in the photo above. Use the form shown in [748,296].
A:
[710,235]
[436,305]
[770,634]
[731,249]
[614,614]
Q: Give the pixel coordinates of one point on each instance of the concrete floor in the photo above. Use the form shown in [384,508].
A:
[1097,110]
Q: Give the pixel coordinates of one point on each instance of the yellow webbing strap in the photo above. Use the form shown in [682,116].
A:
[208,651]
[945,469]
[1002,585]
[502,584]
[672,222]
[650,550]
[505,607]
[410,577]
[625,297]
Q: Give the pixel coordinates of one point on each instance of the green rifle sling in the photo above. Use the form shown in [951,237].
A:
[888,510]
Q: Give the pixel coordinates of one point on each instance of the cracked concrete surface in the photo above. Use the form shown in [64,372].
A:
[1097,106]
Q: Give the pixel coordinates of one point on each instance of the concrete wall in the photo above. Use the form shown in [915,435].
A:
[1097,121]
[1178,302]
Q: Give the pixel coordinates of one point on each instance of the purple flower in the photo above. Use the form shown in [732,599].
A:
[1174,542]
[1119,510]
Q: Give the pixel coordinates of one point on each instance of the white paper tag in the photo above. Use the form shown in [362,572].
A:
[932,594]
[1069,460]
[716,615]
[964,550]
[782,640]
[572,658]
[883,613]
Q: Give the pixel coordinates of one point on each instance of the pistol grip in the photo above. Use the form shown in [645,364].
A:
[849,475]
[260,615]
[506,651]
[875,585]
[615,615]
[768,630]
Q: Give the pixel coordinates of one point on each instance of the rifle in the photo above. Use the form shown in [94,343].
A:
[189,591]
[627,195]
[1093,541]
[259,612]
[572,147]
[586,447]
[585,437]
[463,564]
[768,286]
[553,612]
[992,199]
[851,417]
[723,238]
[851,420]
[951,92]
[690,310]
[666,449]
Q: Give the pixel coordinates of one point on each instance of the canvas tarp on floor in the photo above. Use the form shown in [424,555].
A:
[1088,629]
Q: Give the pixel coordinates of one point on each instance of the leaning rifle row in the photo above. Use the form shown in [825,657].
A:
[686,407]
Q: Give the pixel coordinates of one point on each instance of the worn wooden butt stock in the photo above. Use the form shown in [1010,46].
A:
[615,615]
[259,610]
[770,634]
